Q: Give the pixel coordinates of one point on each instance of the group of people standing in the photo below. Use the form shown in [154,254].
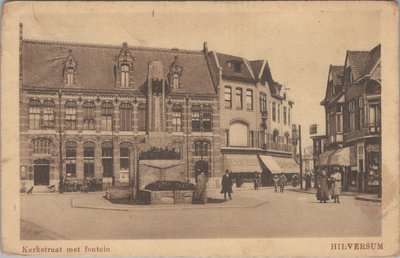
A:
[280,181]
[200,194]
[324,191]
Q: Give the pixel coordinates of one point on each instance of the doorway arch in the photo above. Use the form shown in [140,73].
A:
[41,172]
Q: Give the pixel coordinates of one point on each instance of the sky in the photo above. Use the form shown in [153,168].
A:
[299,41]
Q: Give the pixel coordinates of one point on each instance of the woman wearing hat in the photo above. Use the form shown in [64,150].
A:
[323,190]
[336,178]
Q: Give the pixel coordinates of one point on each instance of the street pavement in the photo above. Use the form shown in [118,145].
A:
[251,214]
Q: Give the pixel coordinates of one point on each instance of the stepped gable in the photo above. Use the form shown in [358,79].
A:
[43,63]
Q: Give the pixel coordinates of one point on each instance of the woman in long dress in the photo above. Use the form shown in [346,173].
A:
[200,195]
[336,178]
[323,190]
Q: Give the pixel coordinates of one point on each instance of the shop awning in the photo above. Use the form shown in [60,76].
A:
[340,157]
[280,164]
[324,158]
[240,163]
[271,164]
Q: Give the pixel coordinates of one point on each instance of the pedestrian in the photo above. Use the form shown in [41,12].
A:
[256,181]
[84,187]
[295,180]
[323,190]
[308,181]
[336,179]
[276,180]
[227,185]
[200,195]
[282,182]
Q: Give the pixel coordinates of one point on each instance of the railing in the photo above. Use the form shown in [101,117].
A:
[278,146]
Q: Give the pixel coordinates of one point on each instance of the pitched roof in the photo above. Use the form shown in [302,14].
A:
[245,72]
[256,66]
[336,74]
[362,62]
[43,63]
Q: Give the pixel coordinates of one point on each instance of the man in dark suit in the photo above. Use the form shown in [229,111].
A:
[227,185]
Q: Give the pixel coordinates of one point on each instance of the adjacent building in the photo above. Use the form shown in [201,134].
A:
[353,120]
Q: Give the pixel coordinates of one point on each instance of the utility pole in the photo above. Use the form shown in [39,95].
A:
[301,160]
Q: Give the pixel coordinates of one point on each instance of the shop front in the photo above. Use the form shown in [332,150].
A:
[276,165]
[242,167]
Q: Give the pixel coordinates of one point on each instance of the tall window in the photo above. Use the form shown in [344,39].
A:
[228,96]
[175,81]
[125,76]
[177,118]
[275,135]
[273,111]
[238,134]
[239,98]
[107,116]
[70,115]
[107,159]
[361,112]
[42,146]
[352,115]
[70,163]
[34,114]
[279,113]
[48,114]
[142,117]
[284,115]
[202,148]
[339,119]
[70,76]
[196,109]
[249,99]
[207,118]
[374,117]
[89,115]
[88,159]
[125,110]
[263,102]
[124,161]
[289,121]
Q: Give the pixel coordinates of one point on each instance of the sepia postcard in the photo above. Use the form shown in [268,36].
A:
[200,128]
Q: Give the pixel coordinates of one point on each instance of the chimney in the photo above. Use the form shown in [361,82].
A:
[205,47]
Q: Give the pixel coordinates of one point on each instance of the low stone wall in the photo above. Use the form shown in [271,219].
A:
[166,197]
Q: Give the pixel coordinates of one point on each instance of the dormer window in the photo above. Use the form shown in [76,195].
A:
[124,76]
[175,74]
[70,70]
[235,66]
[123,68]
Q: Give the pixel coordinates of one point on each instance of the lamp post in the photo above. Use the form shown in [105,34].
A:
[60,165]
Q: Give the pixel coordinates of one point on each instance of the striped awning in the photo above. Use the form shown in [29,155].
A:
[280,164]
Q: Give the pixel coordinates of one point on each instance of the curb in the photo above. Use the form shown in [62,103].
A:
[357,197]
[361,198]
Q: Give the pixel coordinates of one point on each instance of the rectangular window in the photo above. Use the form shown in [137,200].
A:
[263,102]
[279,113]
[70,118]
[177,121]
[252,142]
[284,115]
[48,117]
[196,121]
[289,121]
[228,96]
[106,123]
[125,118]
[374,118]
[207,126]
[362,112]
[249,99]
[142,117]
[88,162]
[227,137]
[273,111]
[352,114]
[34,117]
[239,98]
[107,162]
[89,115]
[125,76]
[70,76]
[124,162]
[70,163]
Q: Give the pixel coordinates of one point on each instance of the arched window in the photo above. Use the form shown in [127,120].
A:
[34,114]
[238,134]
[70,115]
[88,159]
[107,151]
[177,118]
[70,155]
[107,116]
[275,136]
[89,116]
[142,117]
[48,114]
[125,110]
[42,146]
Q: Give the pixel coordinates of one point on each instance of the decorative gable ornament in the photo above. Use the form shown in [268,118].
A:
[69,70]
[175,73]
[123,68]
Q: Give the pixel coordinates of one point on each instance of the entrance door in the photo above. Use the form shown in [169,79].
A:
[41,172]
[201,166]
